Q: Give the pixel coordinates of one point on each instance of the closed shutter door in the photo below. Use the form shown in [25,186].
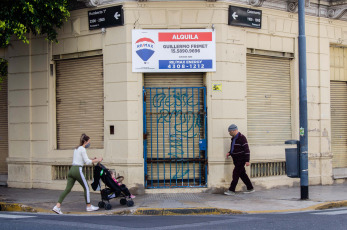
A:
[173,80]
[268,100]
[80,101]
[3,127]
[338,91]
[338,63]
[175,122]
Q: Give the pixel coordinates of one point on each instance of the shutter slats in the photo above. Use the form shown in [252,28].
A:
[170,80]
[268,100]
[80,101]
[338,63]
[338,97]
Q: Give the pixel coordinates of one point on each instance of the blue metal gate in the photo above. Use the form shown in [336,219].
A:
[175,128]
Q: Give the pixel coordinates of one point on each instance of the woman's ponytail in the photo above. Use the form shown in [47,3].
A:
[84,138]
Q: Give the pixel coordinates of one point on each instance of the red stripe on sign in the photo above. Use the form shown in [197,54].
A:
[144,40]
[181,37]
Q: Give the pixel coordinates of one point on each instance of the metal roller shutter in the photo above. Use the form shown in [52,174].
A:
[175,122]
[268,100]
[80,101]
[338,97]
[338,63]
[3,127]
[174,80]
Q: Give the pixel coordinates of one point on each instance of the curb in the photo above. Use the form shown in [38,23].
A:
[184,211]
[336,204]
[13,207]
[16,208]
[322,206]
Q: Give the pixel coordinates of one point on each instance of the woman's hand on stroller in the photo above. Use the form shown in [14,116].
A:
[97,160]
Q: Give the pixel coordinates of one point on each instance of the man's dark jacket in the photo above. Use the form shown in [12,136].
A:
[241,150]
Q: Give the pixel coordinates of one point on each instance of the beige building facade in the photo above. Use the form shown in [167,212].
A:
[257,70]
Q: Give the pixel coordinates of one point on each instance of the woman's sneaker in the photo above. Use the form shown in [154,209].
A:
[57,210]
[92,208]
[229,193]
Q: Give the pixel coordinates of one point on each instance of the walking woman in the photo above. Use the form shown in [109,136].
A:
[79,159]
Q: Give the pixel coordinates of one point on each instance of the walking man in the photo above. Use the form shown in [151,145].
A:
[240,153]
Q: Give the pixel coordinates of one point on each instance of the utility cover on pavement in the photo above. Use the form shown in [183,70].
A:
[245,17]
[106,17]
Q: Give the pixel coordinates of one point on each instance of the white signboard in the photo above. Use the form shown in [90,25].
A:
[173,51]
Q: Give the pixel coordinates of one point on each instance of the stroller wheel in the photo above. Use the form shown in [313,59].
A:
[123,201]
[108,206]
[101,204]
[130,203]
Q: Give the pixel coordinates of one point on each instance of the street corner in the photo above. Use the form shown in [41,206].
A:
[184,211]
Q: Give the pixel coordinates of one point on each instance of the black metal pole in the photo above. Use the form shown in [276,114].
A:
[303,103]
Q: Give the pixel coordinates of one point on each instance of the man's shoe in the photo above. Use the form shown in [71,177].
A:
[249,191]
[92,208]
[229,193]
[57,210]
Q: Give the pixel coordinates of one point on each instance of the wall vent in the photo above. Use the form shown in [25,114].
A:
[266,169]
[59,172]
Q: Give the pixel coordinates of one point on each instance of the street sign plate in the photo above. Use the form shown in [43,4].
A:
[106,17]
[245,17]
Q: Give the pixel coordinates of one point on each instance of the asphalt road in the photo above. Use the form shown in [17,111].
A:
[326,219]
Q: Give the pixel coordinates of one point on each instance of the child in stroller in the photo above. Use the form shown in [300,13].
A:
[111,190]
[122,186]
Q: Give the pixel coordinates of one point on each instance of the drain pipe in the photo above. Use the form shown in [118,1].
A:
[303,103]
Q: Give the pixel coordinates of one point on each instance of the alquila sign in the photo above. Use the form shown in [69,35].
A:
[173,50]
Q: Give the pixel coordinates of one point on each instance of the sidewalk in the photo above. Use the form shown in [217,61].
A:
[263,201]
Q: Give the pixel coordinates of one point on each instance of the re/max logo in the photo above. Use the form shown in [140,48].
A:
[144,45]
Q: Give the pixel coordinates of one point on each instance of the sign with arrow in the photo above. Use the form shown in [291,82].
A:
[106,17]
[245,17]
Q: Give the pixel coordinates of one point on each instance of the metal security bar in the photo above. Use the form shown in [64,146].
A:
[266,169]
[175,137]
[59,172]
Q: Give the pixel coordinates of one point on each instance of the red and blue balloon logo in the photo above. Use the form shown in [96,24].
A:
[145,48]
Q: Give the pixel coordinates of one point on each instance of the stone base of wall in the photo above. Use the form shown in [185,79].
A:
[340,181]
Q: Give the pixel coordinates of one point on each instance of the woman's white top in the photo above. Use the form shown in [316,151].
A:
[80,157]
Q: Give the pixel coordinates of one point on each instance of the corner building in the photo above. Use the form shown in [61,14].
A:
[169,129]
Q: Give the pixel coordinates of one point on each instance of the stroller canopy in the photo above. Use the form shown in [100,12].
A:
[103,174]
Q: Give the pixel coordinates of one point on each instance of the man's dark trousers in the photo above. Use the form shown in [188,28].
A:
[240,172]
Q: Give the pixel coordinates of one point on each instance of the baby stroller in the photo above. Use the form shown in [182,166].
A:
[111,190]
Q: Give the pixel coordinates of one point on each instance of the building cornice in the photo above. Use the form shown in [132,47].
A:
[256,2]
[336,12]
[319,8]
[292,5]
[324,8]
[92,3]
